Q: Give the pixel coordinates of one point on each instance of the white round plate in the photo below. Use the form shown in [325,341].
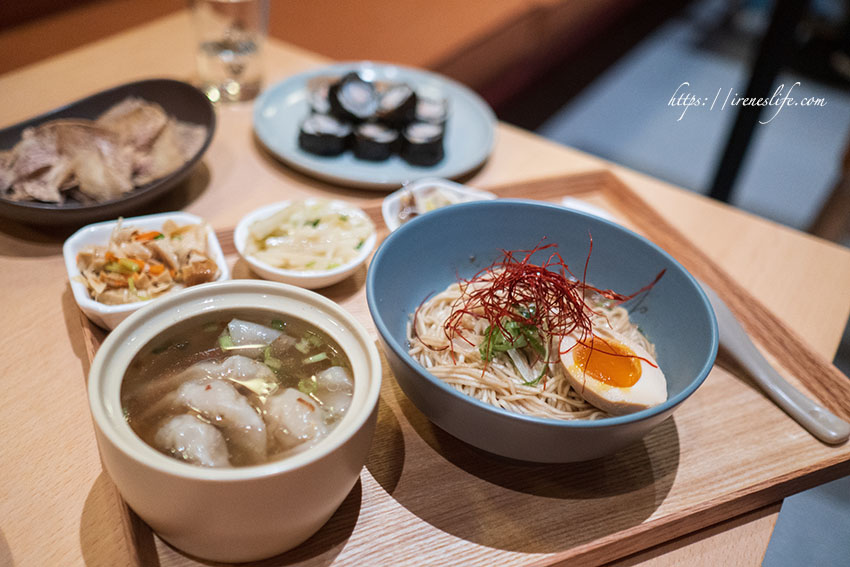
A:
[469,138]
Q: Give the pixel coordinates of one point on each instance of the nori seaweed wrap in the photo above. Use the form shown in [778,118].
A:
[353,99]
[397,106]
[317,94]
[324,135]
[432,110]
[422,143]
[374,142]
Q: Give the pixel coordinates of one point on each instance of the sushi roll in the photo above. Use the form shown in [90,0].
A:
[353,99]
[374,142]
[432,110]
[397,106]
[422,143]
[324,135]
[317,94]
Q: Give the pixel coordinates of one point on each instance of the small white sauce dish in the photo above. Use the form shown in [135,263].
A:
[309,279]
[247,513]
[109,316]
[450,191]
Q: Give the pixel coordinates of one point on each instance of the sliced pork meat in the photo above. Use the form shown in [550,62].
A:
[136,121]
[190,138]
[103,167]
[163,158]
[37,150]
[45,184]
[133,143]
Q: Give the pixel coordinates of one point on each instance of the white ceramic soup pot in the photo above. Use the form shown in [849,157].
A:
[247,513]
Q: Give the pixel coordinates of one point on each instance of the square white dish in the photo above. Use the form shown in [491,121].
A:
[109,316]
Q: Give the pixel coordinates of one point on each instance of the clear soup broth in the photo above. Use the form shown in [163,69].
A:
[237,388]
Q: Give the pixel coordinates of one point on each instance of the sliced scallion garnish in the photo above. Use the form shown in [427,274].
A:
[225,342]
[273,363]
[315,358]
[307,385]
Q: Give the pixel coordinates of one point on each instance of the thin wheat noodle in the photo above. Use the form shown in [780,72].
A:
[495,382]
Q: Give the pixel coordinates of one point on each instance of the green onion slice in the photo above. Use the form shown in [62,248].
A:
[315,358]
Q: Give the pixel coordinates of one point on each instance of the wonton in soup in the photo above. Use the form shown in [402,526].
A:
[237,390]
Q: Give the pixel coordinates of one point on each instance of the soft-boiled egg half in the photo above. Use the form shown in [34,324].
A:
[612,372]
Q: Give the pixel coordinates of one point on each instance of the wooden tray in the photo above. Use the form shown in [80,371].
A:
[425,498]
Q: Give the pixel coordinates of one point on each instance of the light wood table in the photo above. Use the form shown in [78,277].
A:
[53,491]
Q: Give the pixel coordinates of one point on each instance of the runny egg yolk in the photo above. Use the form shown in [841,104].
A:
[608,361]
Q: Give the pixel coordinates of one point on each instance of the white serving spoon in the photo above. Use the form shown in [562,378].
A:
[816,419]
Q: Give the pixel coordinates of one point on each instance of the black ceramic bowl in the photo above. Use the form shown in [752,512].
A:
[180,100]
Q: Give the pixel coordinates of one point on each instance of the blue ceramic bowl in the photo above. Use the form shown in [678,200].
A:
[427,254]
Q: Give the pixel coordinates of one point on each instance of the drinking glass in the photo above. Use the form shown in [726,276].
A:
[230,36]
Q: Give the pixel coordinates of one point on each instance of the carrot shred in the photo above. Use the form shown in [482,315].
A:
[156,269]
[145,236]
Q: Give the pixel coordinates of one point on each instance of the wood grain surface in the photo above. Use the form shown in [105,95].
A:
[425,496]
[57,506]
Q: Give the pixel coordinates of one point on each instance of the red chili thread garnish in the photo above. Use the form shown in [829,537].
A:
[558,297]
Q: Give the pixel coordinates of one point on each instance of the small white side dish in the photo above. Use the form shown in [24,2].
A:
[108,316]
[309,279]
[235,514]
[451,191]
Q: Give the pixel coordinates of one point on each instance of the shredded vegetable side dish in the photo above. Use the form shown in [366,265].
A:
[309,235]
[137,265]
